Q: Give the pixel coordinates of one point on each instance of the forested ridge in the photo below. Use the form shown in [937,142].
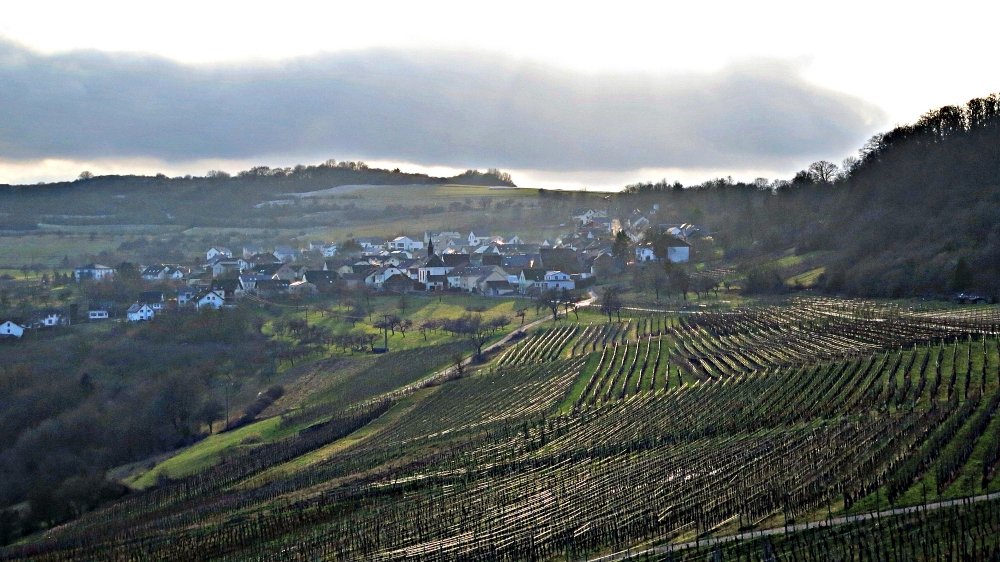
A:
[915,213]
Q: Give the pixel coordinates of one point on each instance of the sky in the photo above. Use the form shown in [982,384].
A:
[561,95]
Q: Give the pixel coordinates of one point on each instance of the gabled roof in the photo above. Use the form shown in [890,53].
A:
[227,285]
[398,279]
[268,268]
[203,294]
[533,274]
[137,307]
[434,261]
[492,259]
[318,277]
[263,258]
[563,259]
[455,260]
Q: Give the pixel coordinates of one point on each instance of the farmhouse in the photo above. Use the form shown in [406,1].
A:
[50,318]
[11,329]
[218,251]
[210,299]
[93,271]
[139,312]
[558,280]
[405,243]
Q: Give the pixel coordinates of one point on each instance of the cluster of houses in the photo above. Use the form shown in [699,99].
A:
[477,262]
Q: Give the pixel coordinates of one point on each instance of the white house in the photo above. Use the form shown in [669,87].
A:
[139,312]
[161,271]
[97,314]
[218,251]
[405,243]
[644,253]
[478,239]
[94,271]
[210,299]
[329,251]
[11,329]
[583,216]
[379,276]
[476,279]
[222,265]
[558,280]
[51,318]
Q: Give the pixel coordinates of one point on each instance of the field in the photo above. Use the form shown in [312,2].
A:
[588,437]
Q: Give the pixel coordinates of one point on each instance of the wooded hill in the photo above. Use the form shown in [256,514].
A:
[916,213]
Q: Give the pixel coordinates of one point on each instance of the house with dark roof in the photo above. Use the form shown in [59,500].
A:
[272,287]
[433,273]
[456,259]
[530,277]
[228,288]
[281,271]
[561,259]
[491,259]
[140,312]
[155,299]
[325,281]
[398,283]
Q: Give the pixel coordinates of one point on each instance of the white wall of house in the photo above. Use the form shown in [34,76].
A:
[211,300]
[145,312]
[678,254]
[644,253]
[212,252]
[559,280]
[9,328]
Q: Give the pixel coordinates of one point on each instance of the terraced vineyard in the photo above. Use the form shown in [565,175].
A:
[587,438]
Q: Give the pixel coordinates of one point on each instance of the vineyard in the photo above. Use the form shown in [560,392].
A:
[582,439]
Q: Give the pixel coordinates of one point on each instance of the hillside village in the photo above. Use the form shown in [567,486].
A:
[479,261]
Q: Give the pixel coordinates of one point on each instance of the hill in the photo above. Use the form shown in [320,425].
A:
[252,198]
[914,214]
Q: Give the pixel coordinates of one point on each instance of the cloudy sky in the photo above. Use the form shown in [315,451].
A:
[560,94]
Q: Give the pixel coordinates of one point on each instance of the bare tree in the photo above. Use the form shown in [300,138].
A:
[823,171]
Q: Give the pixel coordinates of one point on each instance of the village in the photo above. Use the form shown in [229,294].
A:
[594,247]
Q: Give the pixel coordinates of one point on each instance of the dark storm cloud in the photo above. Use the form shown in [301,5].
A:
[433,107]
